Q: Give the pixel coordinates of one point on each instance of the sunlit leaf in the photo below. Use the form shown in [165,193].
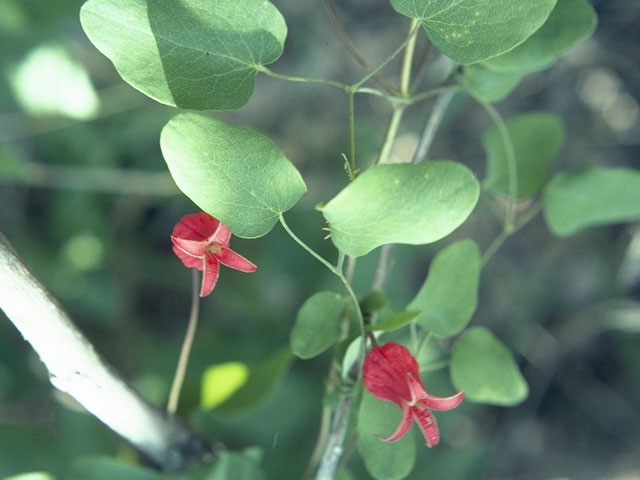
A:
[590,197]
[318,325]
[221,381]
[264,377]
[469,31]
[449,295]
[537,138]
[200,54]
[384,460]
[569,22]
[67,91]
[233,173]
[401,203]
[485,369]
[31,476]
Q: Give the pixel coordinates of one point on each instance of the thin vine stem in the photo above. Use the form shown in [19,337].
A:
[510,156]
[331,268]
[405,76]
[183,359]
[352,135]
[384,63]
[293,78]
[392,132]
[352,48]
[505,234]
[434,121]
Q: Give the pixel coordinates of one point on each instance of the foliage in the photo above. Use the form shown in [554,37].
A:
[392,207]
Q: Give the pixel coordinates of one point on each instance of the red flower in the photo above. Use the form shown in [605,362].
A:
[202,241]
[391,373]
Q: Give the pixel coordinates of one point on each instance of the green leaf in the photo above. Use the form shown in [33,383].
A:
[384,460]
[264,377]
[490,86]
[68,90]
[569,23]
[449,295]
[230,172]
[485,369]
[401,203]
[373,302]
[590,197]
[318,325]
[537,138]
[31,476]
[200,54]
[394,322]
[105,468]
[469,31]
[221,381]
[235,466]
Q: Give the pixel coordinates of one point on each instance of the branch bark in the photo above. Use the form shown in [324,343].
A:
[77,369]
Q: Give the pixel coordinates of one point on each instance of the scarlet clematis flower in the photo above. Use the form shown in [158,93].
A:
[391,373]
[202,241]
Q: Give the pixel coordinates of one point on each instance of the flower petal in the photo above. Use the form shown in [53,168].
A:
[196,226]
[209,275]
[231,259]
[189,261]
[443,403]
[221,236]
[194,248]
[404,426]
[418,393]
[427,424]
[385,370]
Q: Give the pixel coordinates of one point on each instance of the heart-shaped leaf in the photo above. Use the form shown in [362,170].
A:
[232,173]
[485,369]
[487,84]
[318,325]
[394,322]
[200,54]
[569,22]
[536,138]
[590,197]
[401,203]
[449,295]
[384,461]
[470,31]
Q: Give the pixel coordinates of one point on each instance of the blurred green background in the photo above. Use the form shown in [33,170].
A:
[86,199]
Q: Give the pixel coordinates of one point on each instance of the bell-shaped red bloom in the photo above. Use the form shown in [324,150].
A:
[202,241]
[391,373]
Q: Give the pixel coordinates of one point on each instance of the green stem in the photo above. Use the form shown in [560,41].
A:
[405,77]
[293,78]
[352,48]
[178,379]
[419,97]
[384,63]
[505,234]
[390,137]
[426,139]
[352,135]
[510,156]
[333,270]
